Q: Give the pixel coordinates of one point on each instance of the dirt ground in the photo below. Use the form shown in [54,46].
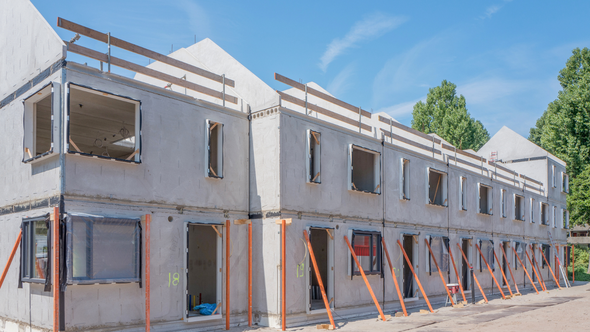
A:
[556,310]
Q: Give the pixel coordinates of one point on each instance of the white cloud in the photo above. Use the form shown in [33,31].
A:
[371,27]
[341,83]
[493,89]
[491,10]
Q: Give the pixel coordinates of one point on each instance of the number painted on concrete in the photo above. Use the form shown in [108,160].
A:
[300,267]
[173,279]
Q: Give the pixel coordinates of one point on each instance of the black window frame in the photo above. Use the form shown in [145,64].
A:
[26,247]
[445,242]
[379,264]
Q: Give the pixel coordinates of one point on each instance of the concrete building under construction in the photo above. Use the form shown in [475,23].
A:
[164,195]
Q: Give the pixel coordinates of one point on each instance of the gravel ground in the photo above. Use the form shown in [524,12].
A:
[556,310]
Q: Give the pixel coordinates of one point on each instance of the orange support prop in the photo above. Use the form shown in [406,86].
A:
[399,293]
[319,277]
[490,270]
[503,274]
[250,274]
[509,268]
[227,274]
[365,279]
[538,268]
[474,277]
[11,257]
[415,275]
[284,274]
[525,270]
[457,274]
[573,265]
[55,267]
[550,270]
[440,273]
[148,222]
[534,270]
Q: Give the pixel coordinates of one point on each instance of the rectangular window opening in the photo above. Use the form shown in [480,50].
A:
[35,256]
[503,202]
[440,250]
[485,199]
[408,290]
[518,207]
[463,200]
[544,214]
[103,250]
[566,218]
[437,187]
[553,176]
[321,244]
[38,124]
[367,248]
[365,170]
[532,204]
[314,156]
[546,252]
[103,124]
[214,149]
[405,179]
[565,183]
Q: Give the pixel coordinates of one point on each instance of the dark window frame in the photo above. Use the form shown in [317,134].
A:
[379,269]
[27,245]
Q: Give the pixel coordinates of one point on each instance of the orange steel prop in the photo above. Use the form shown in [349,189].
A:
[227,275]
[503,274]
[538,268]
[148,222]
[284,274]
[399,293]
[319,277]
[509,268]
[555,263]
[365,278]
[550,270]
[250,274]
[55,267]
[457,273]
[490,270]
[11,257]
[474,277]
[415,275]
[534,270]
[524,268]
[440,273]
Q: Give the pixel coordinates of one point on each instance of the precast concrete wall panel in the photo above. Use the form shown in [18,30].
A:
[265,164]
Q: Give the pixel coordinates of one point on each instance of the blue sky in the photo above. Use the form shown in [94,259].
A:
[504,56]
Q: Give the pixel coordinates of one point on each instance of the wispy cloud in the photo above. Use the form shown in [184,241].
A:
[491,10]
[341,83]
[401,109]
[372,26]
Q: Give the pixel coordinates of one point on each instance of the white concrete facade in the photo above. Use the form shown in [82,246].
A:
[264,180]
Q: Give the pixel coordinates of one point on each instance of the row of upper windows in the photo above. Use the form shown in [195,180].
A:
[99,124]
[364,175]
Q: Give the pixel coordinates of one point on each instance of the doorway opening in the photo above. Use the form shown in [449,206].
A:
[465,280]
[322,245]
[505,247]
[408,276]
[204,272]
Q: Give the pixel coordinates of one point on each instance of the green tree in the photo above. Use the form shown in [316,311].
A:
[445,114]
[564,128]
[578,202]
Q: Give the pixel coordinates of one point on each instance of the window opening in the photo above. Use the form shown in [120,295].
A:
[506,248]
[102,249]
[518,207]
[214,149]
[439,247]
[38,124]
[554,219]
[405,179]
[544,214]
[313,156]
[203,278]
[487,249]
[566,218]
[103,124]
[485,199]
[565,183]
[503,202]
[546,251]
[367,248]
[35,247]
[364,170]
[463,194]
[465,280]
[553,176]
[437,187]
[408,276]
[532,204]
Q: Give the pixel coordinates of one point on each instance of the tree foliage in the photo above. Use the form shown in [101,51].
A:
[564,130]
[445,114]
